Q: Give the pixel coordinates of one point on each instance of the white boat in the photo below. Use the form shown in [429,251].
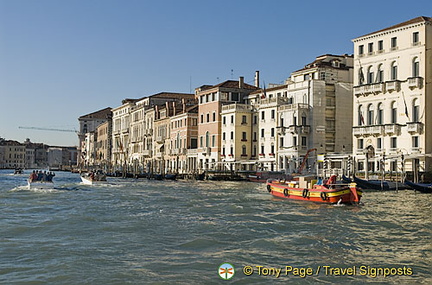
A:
[33,185]
[90,179]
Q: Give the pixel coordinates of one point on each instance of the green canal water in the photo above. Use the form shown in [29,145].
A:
[179,232]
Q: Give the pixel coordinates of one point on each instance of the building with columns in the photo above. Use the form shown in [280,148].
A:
[392,78]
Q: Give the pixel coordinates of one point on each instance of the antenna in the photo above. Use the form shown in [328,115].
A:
[232,73]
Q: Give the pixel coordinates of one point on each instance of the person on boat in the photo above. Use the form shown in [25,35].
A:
[44,176]
[330,182]
[33,176]
[50,176]
[39,175]
[92,175]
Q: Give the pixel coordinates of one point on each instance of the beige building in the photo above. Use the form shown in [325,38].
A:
[12,154]
[210,102]
[104,144]
[392,77]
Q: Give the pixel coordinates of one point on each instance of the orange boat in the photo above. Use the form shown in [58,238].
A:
[328,192]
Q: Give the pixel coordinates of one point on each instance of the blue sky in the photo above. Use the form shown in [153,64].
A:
[63,59]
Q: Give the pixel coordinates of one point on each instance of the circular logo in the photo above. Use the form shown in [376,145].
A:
[226,271]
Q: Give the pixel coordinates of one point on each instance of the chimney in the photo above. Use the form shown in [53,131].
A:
[156,112]
[184,105]
[174,108]
[257,78]
[167,109]
[241,82]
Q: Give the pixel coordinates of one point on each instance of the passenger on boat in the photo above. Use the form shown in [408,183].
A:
[330,182]
[39,175]
[50,176]
[33,176]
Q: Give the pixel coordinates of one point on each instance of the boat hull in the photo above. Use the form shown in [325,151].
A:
[89,181]
[40,185]
[346,194]
[424,188]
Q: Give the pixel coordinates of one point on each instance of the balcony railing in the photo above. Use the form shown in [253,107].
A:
[147,153]
[415,82]
[393,129]
[393,86]
[415,127]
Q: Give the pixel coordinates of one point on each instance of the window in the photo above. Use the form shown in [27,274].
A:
[281,122]
[306,77]
[370,48]
[254,150]
[415,67]
[213,140]
[255,120]
[223,136]
[415,142]
[223,150]
[393,43]
[262,115]
[207,139]
[231,150]
[281,144]
[201,141]
[415,38]
[194,143]
[303,141]
[294,141]
[232,135]
[394,71]
[370,117]
[393,113]
[262,133]
[393,142]
[361,49]
[380,114]
[415,111]
[379,143]
[243,150]
[360,144]
[244,136]
[380,45]
[234,96]
[224,120]
[322,75]
[208,118]
[272,150]
[214,117]
[370,75]
[232,119]
[244,121]
[303,120]
[272,132]
[202,118]
[262,149]
[380,74]
[272,114]
[254,136]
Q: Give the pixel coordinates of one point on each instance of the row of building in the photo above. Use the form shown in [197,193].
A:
[16,155]
[369,107]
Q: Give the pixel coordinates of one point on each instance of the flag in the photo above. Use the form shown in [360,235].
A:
[361,76]
[406,107]
[264,95]
[362,122]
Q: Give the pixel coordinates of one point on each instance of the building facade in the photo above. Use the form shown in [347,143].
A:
[392,77]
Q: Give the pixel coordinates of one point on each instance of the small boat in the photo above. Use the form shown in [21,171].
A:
[18,171]
[263,176]
[34,185]
[381,185]
[93,178]
[171,176]
[421,187]
[328,192]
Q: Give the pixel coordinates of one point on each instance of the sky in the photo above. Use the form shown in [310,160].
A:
[63,59]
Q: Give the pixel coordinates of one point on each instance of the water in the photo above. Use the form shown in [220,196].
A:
[166,232]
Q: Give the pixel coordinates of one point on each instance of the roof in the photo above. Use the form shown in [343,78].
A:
[168,95]
[420,19]
[234,84]
[101,114]
[261,90]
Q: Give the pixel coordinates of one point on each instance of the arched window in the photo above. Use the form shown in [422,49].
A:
[361,76]
[415,110]
[380,114]
[380,74]
[370,75]
[394,71]
[243,150]
[393,112]
[207,139]
[360,116]
[303,119]
[415,67]
[370,115]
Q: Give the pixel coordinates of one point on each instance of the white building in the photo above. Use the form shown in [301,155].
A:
[392,77]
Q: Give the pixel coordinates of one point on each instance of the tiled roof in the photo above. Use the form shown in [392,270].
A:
[420,19]
[234,84]
[101,114]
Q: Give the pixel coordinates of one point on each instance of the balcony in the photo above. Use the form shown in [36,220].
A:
[415,127]
[294,107]
[147,153]
[294,129]
[374,130]
[178,151]
[415,82]
[206,150]
[415,150]
[236,107]
[377,88]
[393,129]
[192,152]
[125,130]
[160,139]
[393,86]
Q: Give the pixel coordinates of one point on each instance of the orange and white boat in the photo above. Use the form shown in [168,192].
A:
[327,192]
